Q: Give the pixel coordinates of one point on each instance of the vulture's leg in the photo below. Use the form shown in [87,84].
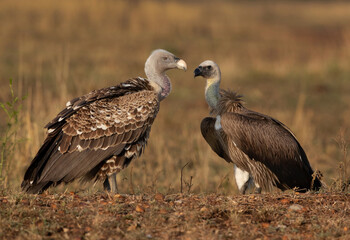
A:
[106,185]
[244,187]
[257,188]
[242,179]
[112,179]
[110,184]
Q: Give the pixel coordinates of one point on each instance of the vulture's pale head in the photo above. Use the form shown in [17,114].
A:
[155,67]
[161,60]
[208,70]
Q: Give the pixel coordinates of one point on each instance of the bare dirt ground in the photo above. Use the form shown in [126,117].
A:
[155,216]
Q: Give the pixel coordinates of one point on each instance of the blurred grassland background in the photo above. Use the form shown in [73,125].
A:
[290,60]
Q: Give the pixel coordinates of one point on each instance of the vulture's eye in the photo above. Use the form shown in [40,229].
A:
[209,67]
[165,58]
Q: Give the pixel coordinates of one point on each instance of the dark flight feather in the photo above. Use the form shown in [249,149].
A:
[266,142]
[213,138]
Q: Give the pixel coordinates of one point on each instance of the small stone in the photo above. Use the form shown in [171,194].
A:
[204,209]
[118,197]
[179,214]
[285,201]
[281,226]
[295,207]
[139,209]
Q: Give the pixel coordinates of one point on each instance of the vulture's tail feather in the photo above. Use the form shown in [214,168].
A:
[30,182]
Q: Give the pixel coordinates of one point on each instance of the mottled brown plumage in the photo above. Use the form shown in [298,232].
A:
[261,146]
[98,134]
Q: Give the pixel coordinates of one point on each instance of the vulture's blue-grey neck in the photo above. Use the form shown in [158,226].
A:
[98,134]
[263,149]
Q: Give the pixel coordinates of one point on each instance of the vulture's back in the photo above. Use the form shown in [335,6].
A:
[94,135]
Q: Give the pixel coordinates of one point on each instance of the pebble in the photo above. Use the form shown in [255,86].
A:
[295,207]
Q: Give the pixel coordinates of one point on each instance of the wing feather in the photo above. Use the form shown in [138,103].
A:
[265,140]
[213,138]
[90,130]
[65,143]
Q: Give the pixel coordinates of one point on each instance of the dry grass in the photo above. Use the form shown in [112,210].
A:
[291,60]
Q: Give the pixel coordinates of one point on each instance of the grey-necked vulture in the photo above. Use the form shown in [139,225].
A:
[262,148]
[98,134]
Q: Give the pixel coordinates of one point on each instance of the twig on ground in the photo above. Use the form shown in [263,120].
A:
[182,174]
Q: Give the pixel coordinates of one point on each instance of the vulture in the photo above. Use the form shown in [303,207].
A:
[98,134]
[263,150]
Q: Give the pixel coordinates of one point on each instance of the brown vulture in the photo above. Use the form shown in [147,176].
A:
[98,134]
[263,149]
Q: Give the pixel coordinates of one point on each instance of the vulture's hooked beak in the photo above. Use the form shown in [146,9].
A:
[198,71]
[181,64]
